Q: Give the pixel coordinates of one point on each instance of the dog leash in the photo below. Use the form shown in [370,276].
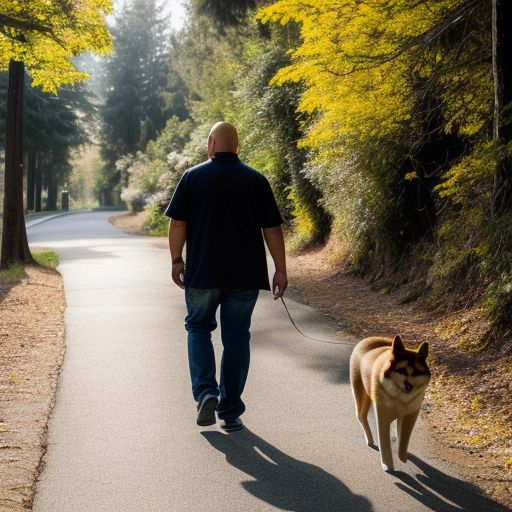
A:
[309,337]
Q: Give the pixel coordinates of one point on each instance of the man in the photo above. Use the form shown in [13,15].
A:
[220,209]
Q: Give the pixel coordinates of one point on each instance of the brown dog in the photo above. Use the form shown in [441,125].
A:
[394,378]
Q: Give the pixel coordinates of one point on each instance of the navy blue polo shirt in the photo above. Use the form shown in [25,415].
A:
[225,204]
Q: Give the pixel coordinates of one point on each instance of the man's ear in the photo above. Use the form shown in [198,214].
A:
[211,146]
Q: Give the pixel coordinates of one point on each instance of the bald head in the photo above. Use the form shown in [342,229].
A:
[223,138]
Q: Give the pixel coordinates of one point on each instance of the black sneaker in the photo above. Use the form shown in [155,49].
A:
[232,425]
[206,411]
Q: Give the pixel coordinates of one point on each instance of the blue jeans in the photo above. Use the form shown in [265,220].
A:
[236,307]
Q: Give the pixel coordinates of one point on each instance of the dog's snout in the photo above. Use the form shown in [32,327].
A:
[407,386]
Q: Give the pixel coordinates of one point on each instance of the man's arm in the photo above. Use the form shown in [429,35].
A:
[177,239]
[275,242]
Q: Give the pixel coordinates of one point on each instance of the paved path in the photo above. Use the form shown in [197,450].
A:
[122,436]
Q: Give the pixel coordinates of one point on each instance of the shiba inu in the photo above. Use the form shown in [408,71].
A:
[394,378]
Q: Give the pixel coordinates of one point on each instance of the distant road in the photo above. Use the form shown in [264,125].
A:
[123,436]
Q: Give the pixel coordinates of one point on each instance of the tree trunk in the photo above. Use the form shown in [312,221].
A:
[502,128]
[31,179]
[105,197]
[14,236]
[51,200]
[38,184]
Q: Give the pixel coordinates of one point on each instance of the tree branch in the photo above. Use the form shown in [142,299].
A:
[24,25]
[459,14]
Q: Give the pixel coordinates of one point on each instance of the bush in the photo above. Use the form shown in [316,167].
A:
[156,222]
[134,199]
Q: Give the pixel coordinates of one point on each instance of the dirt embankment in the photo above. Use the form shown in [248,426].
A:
[31,353]
[130,222]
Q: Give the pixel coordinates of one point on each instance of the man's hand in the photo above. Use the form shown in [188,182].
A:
[275,243]
[279,284]
[177,239]
[178,271]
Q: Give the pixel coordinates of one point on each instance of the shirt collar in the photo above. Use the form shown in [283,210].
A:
[225,155]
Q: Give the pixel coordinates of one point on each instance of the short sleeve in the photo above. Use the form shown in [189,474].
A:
[269,212]
[178,207]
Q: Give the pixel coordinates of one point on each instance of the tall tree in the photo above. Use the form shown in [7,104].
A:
[137,85]
[44,36]
[225,13]
[14,235]
[502,126]
[54,125]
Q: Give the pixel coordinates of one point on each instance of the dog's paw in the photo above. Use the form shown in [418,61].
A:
[403,456]
[386,468]
[373,446]
[369,440]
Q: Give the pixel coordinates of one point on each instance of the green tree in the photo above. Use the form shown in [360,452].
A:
[54,125]
[142,90]
[225,13]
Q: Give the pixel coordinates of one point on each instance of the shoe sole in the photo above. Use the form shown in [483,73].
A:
[206,415]
[233,429]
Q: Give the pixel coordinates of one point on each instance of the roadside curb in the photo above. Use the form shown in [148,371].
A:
[29,223]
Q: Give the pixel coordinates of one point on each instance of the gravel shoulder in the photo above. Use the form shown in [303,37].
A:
[31,354]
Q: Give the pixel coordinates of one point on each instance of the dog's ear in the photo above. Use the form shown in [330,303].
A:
[397,345]
[423,351]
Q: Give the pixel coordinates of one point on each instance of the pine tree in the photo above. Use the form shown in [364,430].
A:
[54,125]
[225,13]
[136,84]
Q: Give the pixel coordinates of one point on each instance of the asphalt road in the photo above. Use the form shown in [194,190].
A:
[122,436]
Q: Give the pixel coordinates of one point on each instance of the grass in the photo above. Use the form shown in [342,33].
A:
[13,273]
[43,257]
[46,258]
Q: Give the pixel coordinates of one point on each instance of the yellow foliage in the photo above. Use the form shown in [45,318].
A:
[464,180]
[477,403]
[46,35]
[476,440]
[302,220]
[352,62]
[467,111]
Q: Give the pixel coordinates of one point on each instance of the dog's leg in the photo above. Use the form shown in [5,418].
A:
[363,402]
[404,434]
[384,420]
[399,425]
[362,414]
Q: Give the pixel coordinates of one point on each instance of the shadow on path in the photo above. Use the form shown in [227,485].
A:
[282,481]
[464,496]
